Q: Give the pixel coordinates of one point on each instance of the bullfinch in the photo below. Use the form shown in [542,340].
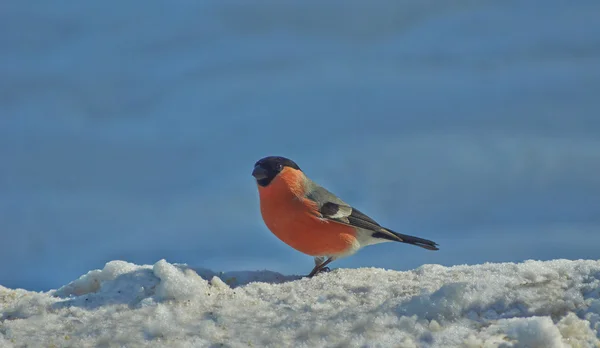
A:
[313,220]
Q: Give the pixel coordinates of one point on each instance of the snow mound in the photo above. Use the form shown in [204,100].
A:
[531,304]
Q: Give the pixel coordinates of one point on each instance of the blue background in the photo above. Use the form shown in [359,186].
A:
[128,130]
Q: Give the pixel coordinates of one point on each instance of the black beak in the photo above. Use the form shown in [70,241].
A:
[259,173]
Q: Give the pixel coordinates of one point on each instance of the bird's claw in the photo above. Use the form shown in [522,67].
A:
[322,270]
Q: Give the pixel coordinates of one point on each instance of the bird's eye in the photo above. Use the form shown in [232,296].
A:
[279,167]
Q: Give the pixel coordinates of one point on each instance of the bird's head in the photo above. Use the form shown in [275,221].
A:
[267,169]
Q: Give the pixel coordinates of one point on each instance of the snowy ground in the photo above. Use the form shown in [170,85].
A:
[532,304]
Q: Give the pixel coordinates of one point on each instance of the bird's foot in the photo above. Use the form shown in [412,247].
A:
[322,270]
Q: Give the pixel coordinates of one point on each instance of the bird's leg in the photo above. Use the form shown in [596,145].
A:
[319,267]
[319,260]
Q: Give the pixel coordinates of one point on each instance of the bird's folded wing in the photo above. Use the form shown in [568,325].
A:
[333,209]
[347,215]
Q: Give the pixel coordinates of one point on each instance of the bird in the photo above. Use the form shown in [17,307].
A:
[314,221]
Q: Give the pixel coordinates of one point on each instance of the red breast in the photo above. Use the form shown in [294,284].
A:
[292,218]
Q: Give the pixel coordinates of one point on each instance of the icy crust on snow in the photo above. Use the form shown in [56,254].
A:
[531,304]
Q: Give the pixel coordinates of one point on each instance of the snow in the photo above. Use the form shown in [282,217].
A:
[543,304]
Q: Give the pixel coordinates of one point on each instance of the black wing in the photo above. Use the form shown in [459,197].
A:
[347,215]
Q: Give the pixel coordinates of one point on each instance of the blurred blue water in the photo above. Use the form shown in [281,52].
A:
[129,130]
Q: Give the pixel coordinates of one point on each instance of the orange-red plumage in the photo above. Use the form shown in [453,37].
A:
[294,219]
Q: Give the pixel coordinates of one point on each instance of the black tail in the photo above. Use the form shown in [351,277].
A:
[404,238]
